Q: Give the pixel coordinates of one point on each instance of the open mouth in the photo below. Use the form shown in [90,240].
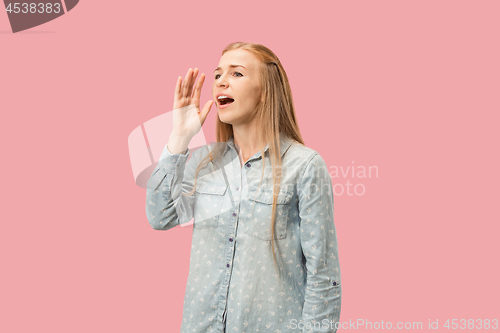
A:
[225,101]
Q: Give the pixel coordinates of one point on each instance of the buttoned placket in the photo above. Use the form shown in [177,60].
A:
[230,232]
[238,179]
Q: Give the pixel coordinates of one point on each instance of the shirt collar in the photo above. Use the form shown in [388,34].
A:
[285,143]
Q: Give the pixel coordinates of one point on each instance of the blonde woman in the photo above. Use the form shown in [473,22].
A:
[264,254]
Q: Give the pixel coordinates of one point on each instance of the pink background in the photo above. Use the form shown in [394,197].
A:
[409,87]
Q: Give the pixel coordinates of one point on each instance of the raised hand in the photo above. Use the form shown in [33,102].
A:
[187,116]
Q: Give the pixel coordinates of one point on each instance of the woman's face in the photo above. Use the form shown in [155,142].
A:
[240,83]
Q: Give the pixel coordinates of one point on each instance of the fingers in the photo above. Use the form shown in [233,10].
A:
[185,83]
[191,82]
[205,111]
[197,89]
[184,88]
[187,87]
[178,89]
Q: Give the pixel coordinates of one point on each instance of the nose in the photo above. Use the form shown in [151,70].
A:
[222,82]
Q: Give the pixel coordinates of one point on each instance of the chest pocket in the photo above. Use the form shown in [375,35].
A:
[260,210]
[208,204]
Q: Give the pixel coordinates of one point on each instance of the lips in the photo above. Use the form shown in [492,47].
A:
[226,101]
[223,106]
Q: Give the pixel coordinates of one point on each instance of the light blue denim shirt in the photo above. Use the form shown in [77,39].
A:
[233,284]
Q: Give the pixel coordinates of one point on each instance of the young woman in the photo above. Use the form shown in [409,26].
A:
[264,254]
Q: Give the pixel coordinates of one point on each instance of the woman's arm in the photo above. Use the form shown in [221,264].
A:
[319,247]
[165,206]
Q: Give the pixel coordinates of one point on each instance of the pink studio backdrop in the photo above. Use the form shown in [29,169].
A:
[409,87]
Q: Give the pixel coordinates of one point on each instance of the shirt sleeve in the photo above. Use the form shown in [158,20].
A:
[165,206]
[321,310]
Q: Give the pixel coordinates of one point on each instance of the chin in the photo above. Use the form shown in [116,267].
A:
[225,117]
[226,120]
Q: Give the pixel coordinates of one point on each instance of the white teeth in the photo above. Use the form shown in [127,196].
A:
[223,97]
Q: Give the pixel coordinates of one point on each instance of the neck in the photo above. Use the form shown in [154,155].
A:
[246,141]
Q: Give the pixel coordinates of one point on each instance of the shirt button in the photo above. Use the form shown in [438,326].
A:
[248,165]
[234,214]
[227,265]
[237,188]
[230,239]
[334,283]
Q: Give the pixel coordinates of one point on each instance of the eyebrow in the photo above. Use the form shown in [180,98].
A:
[230,66]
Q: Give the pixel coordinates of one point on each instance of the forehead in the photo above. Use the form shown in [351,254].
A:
[239,57]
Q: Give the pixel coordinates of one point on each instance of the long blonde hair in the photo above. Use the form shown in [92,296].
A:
[275,113]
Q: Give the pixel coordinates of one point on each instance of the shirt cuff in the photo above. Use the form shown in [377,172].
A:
[170,162]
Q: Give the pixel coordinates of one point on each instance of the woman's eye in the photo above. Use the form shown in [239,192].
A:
[217,75]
